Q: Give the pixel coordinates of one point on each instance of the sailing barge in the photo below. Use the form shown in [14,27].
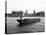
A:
[23,22]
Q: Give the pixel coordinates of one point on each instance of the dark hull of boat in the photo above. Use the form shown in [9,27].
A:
[28,21]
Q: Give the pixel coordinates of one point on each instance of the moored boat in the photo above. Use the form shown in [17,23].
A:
[25,22]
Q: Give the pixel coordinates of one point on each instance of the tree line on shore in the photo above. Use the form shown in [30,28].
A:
[21,13]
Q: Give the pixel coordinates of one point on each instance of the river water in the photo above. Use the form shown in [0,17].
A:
[12,25]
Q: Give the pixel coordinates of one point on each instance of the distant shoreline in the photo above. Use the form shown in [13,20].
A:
[31,16]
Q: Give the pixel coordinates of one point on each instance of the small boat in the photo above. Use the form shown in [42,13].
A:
[25,22]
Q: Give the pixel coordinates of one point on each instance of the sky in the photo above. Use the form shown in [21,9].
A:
[23,5]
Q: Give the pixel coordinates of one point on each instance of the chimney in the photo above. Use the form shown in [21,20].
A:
[34,11]
[26,11]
